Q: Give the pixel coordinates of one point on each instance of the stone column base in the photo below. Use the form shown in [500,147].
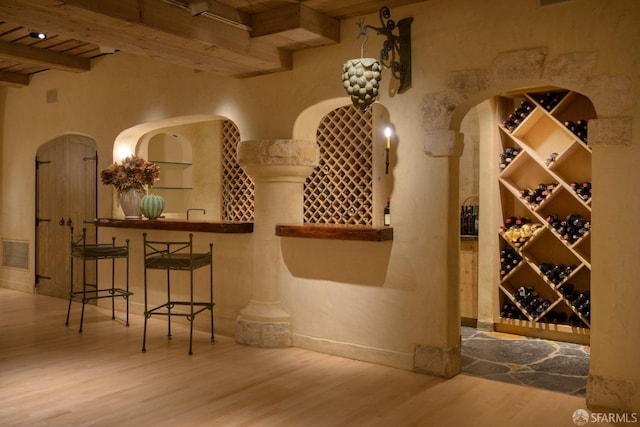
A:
[437,361]
[263,333]
[612,394]
[486,326]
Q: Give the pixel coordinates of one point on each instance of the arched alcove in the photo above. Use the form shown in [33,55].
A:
[191,152]
[351,133]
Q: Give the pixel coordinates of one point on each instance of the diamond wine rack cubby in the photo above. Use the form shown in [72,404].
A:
[340,189]
[545,239]
[238,189]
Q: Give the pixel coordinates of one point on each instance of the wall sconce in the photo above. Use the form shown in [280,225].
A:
[361,77]
[387,133]
[122,153]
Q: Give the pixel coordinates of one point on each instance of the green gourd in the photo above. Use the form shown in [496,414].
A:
[152,206]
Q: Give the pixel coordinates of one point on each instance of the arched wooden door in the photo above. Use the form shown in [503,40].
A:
[66,181]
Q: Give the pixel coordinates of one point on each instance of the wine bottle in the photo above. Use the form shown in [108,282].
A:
[539,194]
[581,130]
[387,212]
[475,214]
[518,115]
[507,156]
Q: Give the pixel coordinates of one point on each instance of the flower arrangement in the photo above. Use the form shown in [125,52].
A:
[134,172]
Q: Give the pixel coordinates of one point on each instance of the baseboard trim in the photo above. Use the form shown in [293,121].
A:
[394,359]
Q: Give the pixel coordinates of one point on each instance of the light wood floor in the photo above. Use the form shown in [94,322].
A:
[52,376]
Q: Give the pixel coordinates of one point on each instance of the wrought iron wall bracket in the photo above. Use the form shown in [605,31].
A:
[396,49]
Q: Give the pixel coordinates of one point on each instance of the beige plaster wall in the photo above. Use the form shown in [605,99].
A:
[376,301]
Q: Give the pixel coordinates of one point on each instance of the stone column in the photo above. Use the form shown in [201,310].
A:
[278,169]
[443,357]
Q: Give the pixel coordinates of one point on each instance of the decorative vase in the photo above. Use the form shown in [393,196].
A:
[152,206]
[361,79]
[130,203]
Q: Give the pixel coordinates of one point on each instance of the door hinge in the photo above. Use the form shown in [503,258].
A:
[43,162]
[40,276]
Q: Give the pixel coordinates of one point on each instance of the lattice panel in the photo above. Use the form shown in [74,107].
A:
[340,190]
[238,188]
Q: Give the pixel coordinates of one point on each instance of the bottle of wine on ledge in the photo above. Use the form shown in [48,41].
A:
[387,212]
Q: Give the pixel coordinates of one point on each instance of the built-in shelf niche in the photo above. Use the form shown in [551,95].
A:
[173,154]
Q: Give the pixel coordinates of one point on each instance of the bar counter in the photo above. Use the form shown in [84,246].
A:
[177,225]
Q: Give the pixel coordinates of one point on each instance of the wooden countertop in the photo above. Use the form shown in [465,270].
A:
[335,232]
[177,225]
[313,231]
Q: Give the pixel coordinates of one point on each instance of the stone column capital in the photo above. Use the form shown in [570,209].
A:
[278,159]
[610,131]
[443,143]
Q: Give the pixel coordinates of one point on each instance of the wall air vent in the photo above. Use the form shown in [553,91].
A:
[15,254]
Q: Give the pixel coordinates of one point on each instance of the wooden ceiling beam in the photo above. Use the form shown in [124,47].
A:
[13,79]
[296,26]
[230,14]
[155,29]
[43,57]
[343,9]
[235,38]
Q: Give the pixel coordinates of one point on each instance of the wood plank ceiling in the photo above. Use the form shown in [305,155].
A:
[237,38]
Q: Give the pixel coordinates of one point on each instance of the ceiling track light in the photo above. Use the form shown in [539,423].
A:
[227,21]
[37,35]
[201,8]
[198,7]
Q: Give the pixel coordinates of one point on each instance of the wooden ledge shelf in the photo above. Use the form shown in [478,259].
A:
[335,232]
[177,225]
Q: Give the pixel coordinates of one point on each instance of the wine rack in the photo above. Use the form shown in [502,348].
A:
[238,188]
[340,189]
[546,185]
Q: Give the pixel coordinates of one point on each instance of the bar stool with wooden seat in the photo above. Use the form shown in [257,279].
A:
[177,256]
[95,252]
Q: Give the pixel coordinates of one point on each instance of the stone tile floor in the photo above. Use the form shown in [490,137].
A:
[550,365]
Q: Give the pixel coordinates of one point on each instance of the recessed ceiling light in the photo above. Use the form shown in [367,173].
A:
[37,35]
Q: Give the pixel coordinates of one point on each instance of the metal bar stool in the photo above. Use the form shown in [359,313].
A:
[91,291]
[177,256]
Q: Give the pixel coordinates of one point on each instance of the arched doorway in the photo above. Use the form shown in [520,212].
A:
[557,158]
[530,68]
[66,184]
